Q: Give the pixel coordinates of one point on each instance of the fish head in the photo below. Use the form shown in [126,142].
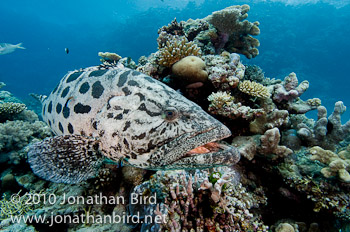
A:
[152,126]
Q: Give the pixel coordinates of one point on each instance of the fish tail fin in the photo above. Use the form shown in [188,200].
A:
[66,159]
[20,46]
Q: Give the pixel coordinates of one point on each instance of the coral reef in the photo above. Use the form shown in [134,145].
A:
[109,57]
[231,28]
[175,50]
[190,69]
[208,201]
[254,89]
[10,109]
[336,165]
[325,132]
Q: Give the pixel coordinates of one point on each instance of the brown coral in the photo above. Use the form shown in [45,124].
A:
[175,50]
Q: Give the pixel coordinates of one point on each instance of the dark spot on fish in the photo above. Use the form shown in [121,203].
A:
[133,155]
[163,131]
[49,109]
[110,115]
[73,76]
[150,145]
[133,83]
[65,112]
[126,111]
[118,117]
[60,127]
[84,88]
[141,151]
[65,92]
[122,78]
[150,79]
[98,73]
[70,128]
[136,73]
[82,133]
[127,125]
[44,107]
[126,156]
[97,90]
[152,130]
[101,133]
[141,136]
[142,97]
[82,109]
[94,125]
[49,122]
[142,107]
[126,91]
[117,108]
[126,143]
[58,108]
[114,134]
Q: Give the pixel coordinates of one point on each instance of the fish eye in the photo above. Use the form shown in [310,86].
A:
[170,114]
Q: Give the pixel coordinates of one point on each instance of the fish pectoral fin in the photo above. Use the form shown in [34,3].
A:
[66,159]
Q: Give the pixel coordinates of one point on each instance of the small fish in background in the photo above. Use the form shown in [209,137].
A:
[66,50]
[6,48]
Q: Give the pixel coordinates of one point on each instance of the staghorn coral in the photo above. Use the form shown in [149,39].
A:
[254,89]
[326,132]
[211,200]
[9,109]
[335,164]
[17,207]
[175,50]
[231,28]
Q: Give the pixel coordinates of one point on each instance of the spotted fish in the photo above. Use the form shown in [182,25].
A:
[122,114]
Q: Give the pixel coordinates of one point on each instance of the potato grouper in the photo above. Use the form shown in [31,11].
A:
[122,114]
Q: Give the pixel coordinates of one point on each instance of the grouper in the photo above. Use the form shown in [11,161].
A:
[117,113]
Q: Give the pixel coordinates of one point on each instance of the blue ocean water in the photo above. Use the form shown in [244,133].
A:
[309,38]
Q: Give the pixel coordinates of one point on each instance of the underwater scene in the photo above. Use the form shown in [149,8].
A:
[175,115]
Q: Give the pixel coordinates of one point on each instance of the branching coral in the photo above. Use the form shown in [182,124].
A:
[9,109]
[175,50]
[15,206]
[231,27]
[326,132]
[254,89]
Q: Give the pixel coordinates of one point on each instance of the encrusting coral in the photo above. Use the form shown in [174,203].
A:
[175,50]
[233,28]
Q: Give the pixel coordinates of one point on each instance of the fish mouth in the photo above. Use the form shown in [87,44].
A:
[199,150]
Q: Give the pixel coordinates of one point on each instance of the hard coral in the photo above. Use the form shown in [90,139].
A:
[175,50]
[231,27]
[190,69]
[9,109]
[326,132]
[254,89]
[336,164]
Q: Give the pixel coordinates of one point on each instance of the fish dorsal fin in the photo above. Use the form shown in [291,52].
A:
[66,159]
[40,98]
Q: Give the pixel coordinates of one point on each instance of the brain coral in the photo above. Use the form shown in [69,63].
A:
[190,69]
[254,89]
[176,50]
